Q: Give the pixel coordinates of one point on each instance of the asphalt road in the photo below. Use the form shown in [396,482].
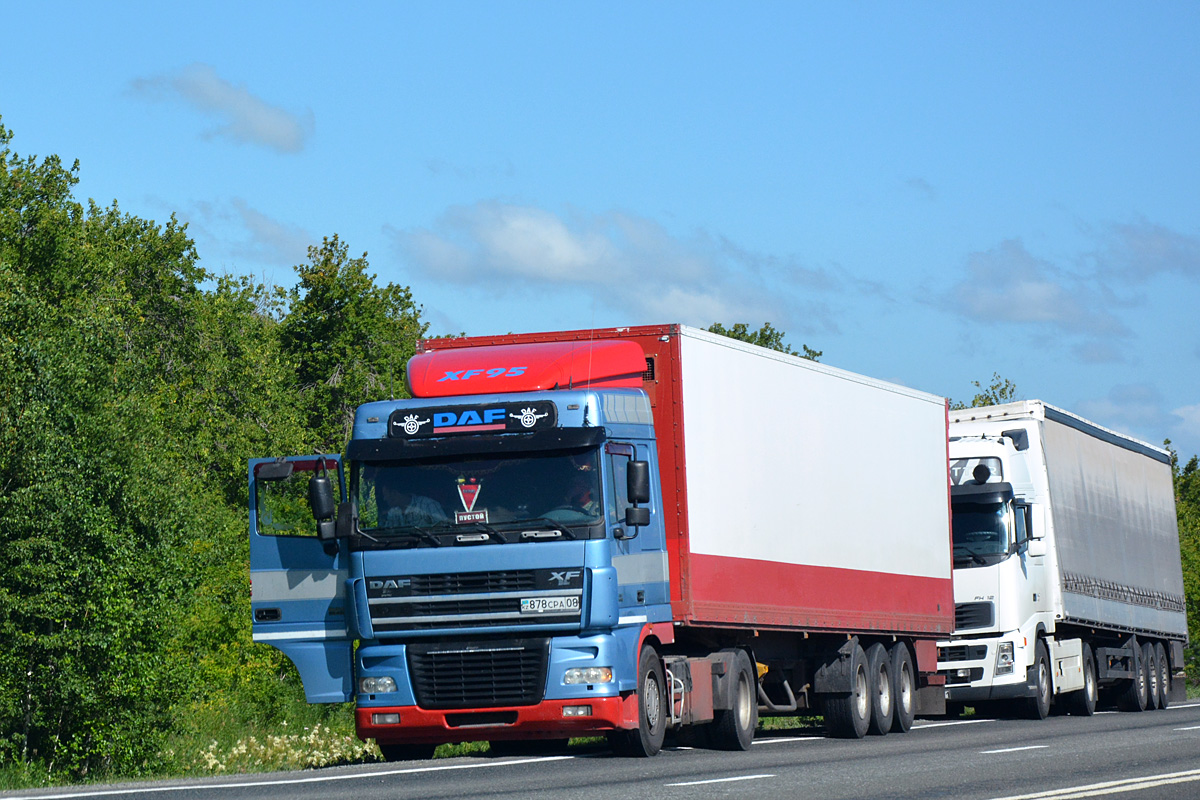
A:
[1112,755]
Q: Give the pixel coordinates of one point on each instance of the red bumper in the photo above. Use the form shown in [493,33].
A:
[543,721]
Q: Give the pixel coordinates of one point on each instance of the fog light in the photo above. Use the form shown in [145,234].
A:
[577,711]
[376,685]
[1004,658]
[385,719]
[588,675]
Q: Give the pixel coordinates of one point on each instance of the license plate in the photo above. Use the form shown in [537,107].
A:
[548,605]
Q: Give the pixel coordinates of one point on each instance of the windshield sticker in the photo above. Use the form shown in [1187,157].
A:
[492,418]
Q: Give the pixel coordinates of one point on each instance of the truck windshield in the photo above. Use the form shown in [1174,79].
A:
[980,533]
[557,489]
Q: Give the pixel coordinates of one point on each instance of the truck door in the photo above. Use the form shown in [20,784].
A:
[297,583]
[641,562]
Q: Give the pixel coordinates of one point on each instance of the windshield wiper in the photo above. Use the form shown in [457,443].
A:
[557,526]
[413,532]
[978,559]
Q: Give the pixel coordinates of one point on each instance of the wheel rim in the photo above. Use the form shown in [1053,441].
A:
[906,687]
[1089,682]
[885,692]
[1043,683]
[862,695]
[653,701]
[743,702]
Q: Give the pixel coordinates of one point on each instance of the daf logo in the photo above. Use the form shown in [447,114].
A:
[565,577]
[390,583]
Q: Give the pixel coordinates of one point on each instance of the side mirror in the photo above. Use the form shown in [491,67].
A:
[320,496]
[1037,547]
[636,517]
[637,479]
[273,470]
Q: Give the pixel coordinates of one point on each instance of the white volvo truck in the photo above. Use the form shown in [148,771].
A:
[1068,586]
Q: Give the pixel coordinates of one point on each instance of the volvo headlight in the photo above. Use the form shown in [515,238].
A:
[588,675]
[376,685]
[1004,658]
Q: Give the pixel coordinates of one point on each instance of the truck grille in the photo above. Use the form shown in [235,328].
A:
[973,615]
[457,600]
[479,674]
[962,652]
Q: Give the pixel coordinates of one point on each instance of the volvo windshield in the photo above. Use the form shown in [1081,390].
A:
[479,500]
[981,533]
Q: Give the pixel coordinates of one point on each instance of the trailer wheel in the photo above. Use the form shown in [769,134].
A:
[1132,695]
[647,739]
[1038,706]
[1150,659]
[1164,675]
[1082,703]
[848,715]
[733,729]
[904,691]
[879,671]
[406,751]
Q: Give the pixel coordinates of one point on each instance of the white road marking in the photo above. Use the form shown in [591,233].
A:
[1110,787]
[944,724]
[1015,749]
[195,787]
[722,780]
[1192,728]
[789,739]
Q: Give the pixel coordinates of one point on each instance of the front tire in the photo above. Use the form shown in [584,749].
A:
[648,738]
[847,716]
[733,729]
[1038,706]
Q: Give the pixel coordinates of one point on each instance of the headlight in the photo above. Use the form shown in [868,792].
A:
[376,685]
[1004,658]
[588,675]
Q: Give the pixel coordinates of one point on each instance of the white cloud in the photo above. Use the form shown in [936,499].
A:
[1008,284]
[1140,250]
[1189,421]
[625,262]
[246,117]
[235,230]
[1134,409]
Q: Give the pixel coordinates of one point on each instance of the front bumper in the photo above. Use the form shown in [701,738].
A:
[969,667]
[542,721]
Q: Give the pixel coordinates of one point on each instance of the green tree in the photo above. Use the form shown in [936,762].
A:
[349,338]
[766,336]
[1001,390]
[1187,507]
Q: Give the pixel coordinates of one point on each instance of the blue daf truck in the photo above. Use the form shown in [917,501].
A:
[532,548]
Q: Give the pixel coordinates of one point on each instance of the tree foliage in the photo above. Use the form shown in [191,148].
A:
[766,336]
[350,339]
[1187,506]
[137,385]
[1000,390]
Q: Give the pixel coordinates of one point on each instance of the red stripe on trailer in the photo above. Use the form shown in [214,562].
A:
[770,594]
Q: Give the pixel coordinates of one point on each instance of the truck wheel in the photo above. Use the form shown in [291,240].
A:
[879,672]
[1082,703]
[407,752]
[647,740]
[848,715]
[733,729]
[1038,706]
[1164,675]
[1150,659]
[1132,695]
[904,688]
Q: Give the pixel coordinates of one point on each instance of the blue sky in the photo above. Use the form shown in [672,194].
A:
[927,192]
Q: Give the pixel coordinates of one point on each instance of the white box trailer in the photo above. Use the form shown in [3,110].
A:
[1067,550]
